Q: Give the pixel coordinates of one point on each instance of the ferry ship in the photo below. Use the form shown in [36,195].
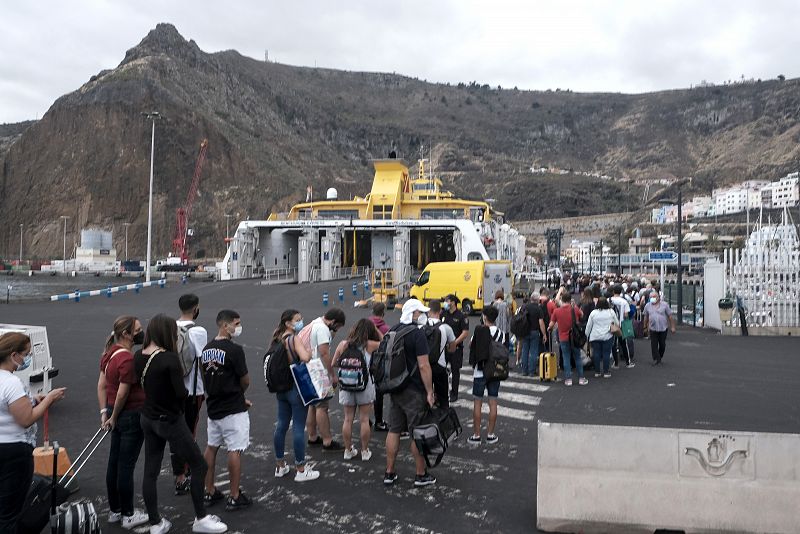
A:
[405,222]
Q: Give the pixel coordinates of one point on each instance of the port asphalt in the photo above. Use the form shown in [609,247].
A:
[707,382]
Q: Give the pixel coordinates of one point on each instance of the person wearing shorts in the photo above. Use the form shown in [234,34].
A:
[365,338]
[478,354]
[226,379]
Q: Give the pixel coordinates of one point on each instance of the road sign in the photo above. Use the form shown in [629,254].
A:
[664,256]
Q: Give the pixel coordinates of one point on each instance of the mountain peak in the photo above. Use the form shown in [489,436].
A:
[164,39]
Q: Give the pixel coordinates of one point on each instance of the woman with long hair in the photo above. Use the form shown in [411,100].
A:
[290,406]
[598,332]
[159,371]
[121,399]
[365,338]
[18,415]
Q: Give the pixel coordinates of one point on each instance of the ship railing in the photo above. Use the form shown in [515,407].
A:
[341,273]
[281,274]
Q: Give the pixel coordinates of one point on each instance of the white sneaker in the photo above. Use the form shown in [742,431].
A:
[366,455]
[138,518]
[114,517]
[161,528]
[282,471]
[306,475]
[350,453]
[568,382]
[583,381]
[209,524]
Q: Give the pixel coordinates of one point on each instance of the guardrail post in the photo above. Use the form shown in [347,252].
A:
[77,295]
[325,298]
[355,288]
[108,291]
[341,294]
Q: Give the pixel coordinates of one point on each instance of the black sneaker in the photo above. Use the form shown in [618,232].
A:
[333,446]
[383,426]
[182,488]
[242,501]
[210,499]
[317,441]
[389,478]
[424,480]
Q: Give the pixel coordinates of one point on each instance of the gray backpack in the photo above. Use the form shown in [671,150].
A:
[184,347]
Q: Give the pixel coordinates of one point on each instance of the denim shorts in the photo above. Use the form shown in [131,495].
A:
[480,384]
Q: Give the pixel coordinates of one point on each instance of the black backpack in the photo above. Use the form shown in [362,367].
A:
[352,369]
[277,372]
[434,336]
[388,366]
[520,326]
[495,368]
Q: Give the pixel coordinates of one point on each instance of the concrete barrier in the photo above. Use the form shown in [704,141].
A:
[631,479]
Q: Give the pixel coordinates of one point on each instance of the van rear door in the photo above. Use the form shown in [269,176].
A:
[496,276]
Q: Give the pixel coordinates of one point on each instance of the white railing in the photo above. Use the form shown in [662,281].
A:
[283,274]
[765,280]
[340,273]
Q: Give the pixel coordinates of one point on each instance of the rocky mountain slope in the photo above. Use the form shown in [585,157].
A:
[274,128]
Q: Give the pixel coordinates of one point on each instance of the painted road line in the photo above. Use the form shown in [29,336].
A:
[510,397]
[502,411]
[534,388]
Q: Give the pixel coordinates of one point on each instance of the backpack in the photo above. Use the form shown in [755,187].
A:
[434,336]
[184,348]
[495,368]
[577,336]
[388,366]
[352,369]
[277,372]
[520,326]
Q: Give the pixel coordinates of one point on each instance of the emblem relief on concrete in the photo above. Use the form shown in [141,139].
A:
[717,461]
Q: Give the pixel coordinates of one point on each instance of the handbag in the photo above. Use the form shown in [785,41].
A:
[627,329]
[312,381]
[615,329]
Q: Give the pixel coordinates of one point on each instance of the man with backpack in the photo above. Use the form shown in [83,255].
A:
[531,320]
[460,325]
[226,379]
[440,340]
[480,351]
[412,398]
[191,341]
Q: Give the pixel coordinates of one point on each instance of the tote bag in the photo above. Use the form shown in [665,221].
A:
[312,380]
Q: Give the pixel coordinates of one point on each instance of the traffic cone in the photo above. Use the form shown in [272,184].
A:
[43,456]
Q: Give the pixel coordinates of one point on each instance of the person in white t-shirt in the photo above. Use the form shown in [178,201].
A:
[438,360]
[18,415]
[197,336]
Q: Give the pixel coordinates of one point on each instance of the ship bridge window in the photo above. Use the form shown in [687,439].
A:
[382,211]
[441,214]
[476,214]
[337,214]
[304,213]
[423,186]
[474,256]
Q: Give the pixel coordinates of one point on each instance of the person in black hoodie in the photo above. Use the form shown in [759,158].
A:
[159,371]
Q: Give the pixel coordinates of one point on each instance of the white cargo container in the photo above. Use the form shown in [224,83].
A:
[39,375]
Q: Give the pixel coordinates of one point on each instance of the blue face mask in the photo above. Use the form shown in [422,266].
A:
[298,325]
[25,362]
[445,305]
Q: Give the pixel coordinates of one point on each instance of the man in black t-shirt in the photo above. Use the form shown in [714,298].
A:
[460,324]
[226,379]
[531,345]
[409,405]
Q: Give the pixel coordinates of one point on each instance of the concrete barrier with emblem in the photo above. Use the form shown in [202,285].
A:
[595,478]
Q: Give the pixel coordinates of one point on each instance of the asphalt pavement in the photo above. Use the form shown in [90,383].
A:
[707,381]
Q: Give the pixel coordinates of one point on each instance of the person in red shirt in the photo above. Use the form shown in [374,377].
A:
[121,399]
[562,317]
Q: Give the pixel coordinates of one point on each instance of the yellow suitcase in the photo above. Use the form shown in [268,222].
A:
[548,366]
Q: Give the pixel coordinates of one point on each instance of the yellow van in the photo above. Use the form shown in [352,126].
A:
[474,282]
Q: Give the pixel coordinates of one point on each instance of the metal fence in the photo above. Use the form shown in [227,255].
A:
[340,273]
[764,280]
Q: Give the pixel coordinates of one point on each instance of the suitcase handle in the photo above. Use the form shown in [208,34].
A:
[81,460]
[53,491]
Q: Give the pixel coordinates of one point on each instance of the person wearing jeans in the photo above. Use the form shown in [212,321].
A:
[290,406]
[529,355]
[562,317]
[598,332]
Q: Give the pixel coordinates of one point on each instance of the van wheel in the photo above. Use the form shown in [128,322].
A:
[467,307]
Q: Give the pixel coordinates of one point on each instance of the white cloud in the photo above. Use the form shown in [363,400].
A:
[50,48]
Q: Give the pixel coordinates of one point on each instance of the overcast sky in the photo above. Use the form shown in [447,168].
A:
[49,48]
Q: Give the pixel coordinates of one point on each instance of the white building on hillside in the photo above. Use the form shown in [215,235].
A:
[781,194]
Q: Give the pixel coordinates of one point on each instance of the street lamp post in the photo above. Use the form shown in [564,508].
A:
[64,254]
[619,251]
[679,277]
[126,225]
[227,222]
[20,243]
[153,115]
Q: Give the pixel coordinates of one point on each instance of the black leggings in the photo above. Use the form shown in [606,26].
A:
[658,343]
[156,435]
[191,413]
[16,474]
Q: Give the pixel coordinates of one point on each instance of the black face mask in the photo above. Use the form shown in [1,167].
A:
[195,314]
[138,338]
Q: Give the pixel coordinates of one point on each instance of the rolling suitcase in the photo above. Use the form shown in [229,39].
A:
[638,329]
[548,366]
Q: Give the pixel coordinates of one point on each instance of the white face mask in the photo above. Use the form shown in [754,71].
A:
[237,331]
[422,320]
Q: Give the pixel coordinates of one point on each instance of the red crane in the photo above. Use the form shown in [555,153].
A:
[179,248]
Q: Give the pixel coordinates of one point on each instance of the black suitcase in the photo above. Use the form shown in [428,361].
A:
[434,433]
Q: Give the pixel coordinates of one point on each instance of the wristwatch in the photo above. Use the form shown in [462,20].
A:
[104,410]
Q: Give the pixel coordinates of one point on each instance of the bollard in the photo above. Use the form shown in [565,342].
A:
[137,287]
[163,282]
[8,293]
[183,279]
[355,288]
[77,295]
[324,298]
[108,291]
[341,294]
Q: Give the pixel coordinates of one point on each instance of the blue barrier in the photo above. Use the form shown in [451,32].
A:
[78,294]
[341,294]
[324,298]
[355,288]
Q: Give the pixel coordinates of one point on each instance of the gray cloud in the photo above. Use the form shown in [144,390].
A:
[49,48]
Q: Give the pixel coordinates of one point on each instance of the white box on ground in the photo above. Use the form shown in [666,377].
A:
[595,478]
[39,375]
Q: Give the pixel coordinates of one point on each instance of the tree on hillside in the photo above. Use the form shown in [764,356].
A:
[781,77]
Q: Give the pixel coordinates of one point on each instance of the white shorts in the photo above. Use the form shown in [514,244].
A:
[232,431]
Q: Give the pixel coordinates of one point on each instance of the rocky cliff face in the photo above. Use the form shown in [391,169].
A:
[273,129]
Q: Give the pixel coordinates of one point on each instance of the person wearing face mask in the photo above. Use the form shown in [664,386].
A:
[459,322]
[121,399]
[226,380]
[18,415]
[197,337]
[317,337]
[657,318]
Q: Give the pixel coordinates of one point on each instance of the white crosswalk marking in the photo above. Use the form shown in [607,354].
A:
[509,397]
[513,383]
[502,411]
[516,399]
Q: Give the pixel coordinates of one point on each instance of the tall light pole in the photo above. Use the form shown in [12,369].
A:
[20,243]
[64,254]
[227,220]
[679,277]
[153,115]
[126,225]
